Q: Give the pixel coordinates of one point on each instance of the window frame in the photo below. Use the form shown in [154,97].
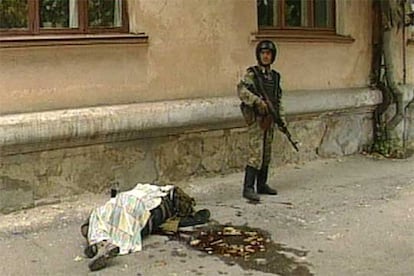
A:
[281,22]
[302,34]
[33,17]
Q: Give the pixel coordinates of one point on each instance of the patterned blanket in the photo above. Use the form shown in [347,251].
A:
[122,218]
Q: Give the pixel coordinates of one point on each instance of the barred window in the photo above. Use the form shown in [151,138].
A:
[62,16]
[296,14]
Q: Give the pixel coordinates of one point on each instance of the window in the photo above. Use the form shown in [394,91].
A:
[62,16]
[299,15]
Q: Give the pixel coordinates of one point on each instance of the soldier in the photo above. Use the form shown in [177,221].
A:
[260,123]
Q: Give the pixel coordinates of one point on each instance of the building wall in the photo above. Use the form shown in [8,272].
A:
[56,77]
[196,49]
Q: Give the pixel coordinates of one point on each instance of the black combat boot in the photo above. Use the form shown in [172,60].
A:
[262,187]
[248,186]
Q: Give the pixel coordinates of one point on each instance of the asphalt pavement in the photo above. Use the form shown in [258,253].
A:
[348,216]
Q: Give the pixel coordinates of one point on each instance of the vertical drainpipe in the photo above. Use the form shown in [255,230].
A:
[404,43]
[404,49]
[391,83]
[390,76]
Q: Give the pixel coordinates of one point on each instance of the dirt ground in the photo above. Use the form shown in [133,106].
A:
[352,216]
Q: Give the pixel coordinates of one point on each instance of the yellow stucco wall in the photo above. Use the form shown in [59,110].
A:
[410,64]
[41,78]
[196,49]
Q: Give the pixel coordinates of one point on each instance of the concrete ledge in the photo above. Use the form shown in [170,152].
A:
[30,132]
[320,101]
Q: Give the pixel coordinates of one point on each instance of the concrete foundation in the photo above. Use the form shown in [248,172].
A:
[88,149]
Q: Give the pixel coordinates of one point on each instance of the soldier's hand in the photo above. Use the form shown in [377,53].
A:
[262,107]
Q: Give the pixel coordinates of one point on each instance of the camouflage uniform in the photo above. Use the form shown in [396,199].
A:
[260,140]
[260,125]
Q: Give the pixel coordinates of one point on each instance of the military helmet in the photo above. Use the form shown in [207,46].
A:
[266,45]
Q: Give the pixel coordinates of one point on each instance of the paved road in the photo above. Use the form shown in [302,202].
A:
[353,216]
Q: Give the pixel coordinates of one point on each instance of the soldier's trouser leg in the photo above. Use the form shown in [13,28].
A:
[255,148]
[262,187]
[248,185]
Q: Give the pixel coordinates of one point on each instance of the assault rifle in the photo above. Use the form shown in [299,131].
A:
[274,113]
[289,137]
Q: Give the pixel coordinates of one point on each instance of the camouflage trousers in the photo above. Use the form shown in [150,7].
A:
[260,145]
